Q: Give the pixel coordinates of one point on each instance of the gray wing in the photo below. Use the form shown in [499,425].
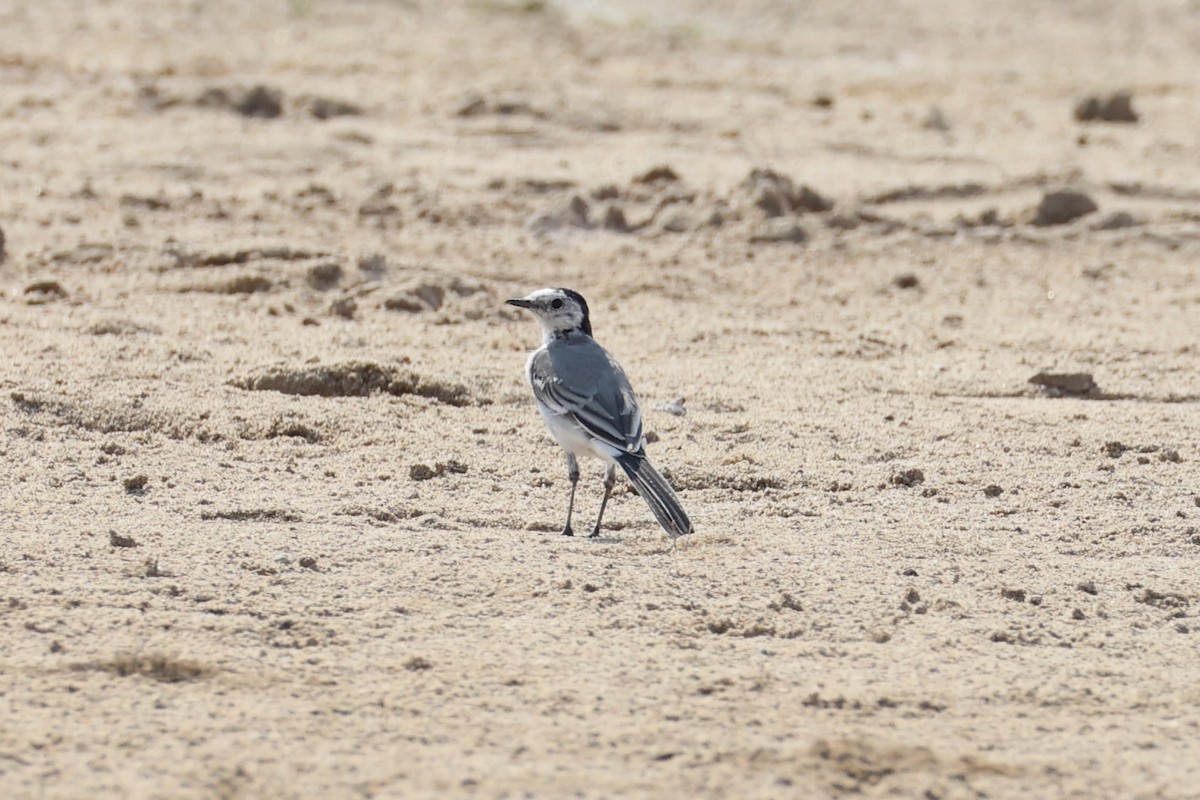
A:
[579,379]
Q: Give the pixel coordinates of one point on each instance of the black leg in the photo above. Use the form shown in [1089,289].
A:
[573,476]
[610,480]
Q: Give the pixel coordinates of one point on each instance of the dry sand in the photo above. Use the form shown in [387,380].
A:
[915,574]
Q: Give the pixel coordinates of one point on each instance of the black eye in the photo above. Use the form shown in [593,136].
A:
[556,303]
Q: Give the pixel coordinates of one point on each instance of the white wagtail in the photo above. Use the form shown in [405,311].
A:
[590,408]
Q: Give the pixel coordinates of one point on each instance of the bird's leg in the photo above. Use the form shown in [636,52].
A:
[610,480]
[573,476]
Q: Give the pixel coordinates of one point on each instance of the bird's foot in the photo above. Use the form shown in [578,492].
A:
[595,533]
[568,531]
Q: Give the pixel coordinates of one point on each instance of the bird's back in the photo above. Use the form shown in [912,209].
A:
[574,375]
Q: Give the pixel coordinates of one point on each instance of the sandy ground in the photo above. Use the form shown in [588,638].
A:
[277,514]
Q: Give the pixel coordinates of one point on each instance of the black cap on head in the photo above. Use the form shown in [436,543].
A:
[586,325]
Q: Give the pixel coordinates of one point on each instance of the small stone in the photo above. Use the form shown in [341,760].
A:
[718,215]
[843,222]
[990,217]
[614,219]
[779,230]
[344,307]
[993,491]
[262,102]
[771,202]
[1059,208]
[374,264]
[676,219]
[935,120]
[906,280]
[327,108]
[431,294]
[807,199]
[1116,221]
[324,276]
[473,105]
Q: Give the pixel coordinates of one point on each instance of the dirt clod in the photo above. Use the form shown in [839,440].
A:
[779,230]
[262,101]
[1115,449]
[1164,600]
[117,540]
[1115,107]
[776,194]
[353,379]
[423,472]
[42,292]
[1058,384]
[908,478]
[136,484]
[404,302]
[242,284]
[659,174]
[165,669]
[328,108]
[575,213]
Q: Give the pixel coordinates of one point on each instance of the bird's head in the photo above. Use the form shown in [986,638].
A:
[560,311]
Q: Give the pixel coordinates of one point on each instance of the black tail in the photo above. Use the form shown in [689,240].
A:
[657,493]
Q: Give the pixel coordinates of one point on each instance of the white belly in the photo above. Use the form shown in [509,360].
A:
[572,438]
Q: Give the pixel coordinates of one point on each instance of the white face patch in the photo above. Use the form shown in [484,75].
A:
[557,311]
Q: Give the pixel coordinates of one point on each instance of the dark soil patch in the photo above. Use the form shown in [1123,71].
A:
[353,379]
[157,667]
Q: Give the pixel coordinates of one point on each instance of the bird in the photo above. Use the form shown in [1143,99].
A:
[590,408]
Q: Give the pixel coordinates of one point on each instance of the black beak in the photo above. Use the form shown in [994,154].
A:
[519,302]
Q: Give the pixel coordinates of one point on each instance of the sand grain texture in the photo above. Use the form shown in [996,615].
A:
[277,512]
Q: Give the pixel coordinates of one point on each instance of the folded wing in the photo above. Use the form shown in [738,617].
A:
[579,379]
